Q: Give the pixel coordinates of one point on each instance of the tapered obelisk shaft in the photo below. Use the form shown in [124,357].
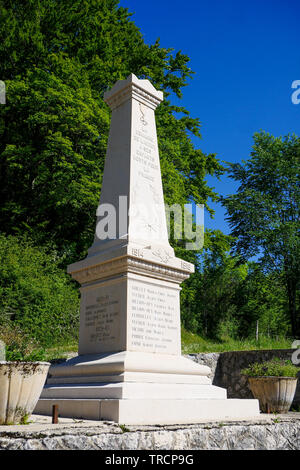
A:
[132,178]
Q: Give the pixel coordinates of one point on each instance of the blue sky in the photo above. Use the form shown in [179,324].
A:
[245,55]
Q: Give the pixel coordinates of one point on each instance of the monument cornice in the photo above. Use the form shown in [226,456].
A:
[129,264]
[132,88]
[133,92]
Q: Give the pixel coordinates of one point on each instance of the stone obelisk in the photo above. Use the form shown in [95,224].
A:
[129,368]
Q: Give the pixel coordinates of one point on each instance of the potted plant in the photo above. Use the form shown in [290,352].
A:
[273,383]
[22,376]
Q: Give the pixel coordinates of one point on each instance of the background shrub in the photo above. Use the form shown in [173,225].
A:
[35,293]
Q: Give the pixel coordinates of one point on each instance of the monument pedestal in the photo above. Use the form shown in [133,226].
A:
[139,388]
[130,369]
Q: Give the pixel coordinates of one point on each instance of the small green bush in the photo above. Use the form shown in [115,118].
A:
[274,368]
[35,293]
[19,346]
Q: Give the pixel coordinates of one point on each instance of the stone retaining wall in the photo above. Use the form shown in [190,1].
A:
[273,434]
[226,369]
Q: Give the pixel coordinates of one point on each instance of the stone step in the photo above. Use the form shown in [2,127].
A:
[151,411]
[133,390]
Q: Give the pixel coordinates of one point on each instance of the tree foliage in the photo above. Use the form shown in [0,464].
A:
[264,214]
[35,294]
[57,59]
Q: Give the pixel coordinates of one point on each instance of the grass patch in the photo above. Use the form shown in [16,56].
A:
[193,343]
[124,428]
[61,351]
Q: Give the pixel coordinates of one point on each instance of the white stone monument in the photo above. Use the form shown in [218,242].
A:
[129,368]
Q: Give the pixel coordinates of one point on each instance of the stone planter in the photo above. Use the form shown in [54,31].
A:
[275,394]
[21,384]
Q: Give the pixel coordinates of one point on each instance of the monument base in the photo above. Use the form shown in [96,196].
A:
[151,411]
[138,388]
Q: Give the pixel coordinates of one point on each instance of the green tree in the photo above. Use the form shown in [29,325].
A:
[57,59]
[35,293]
[220,281]
[209,298]
[261,304]
[51,160]
[264,214]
